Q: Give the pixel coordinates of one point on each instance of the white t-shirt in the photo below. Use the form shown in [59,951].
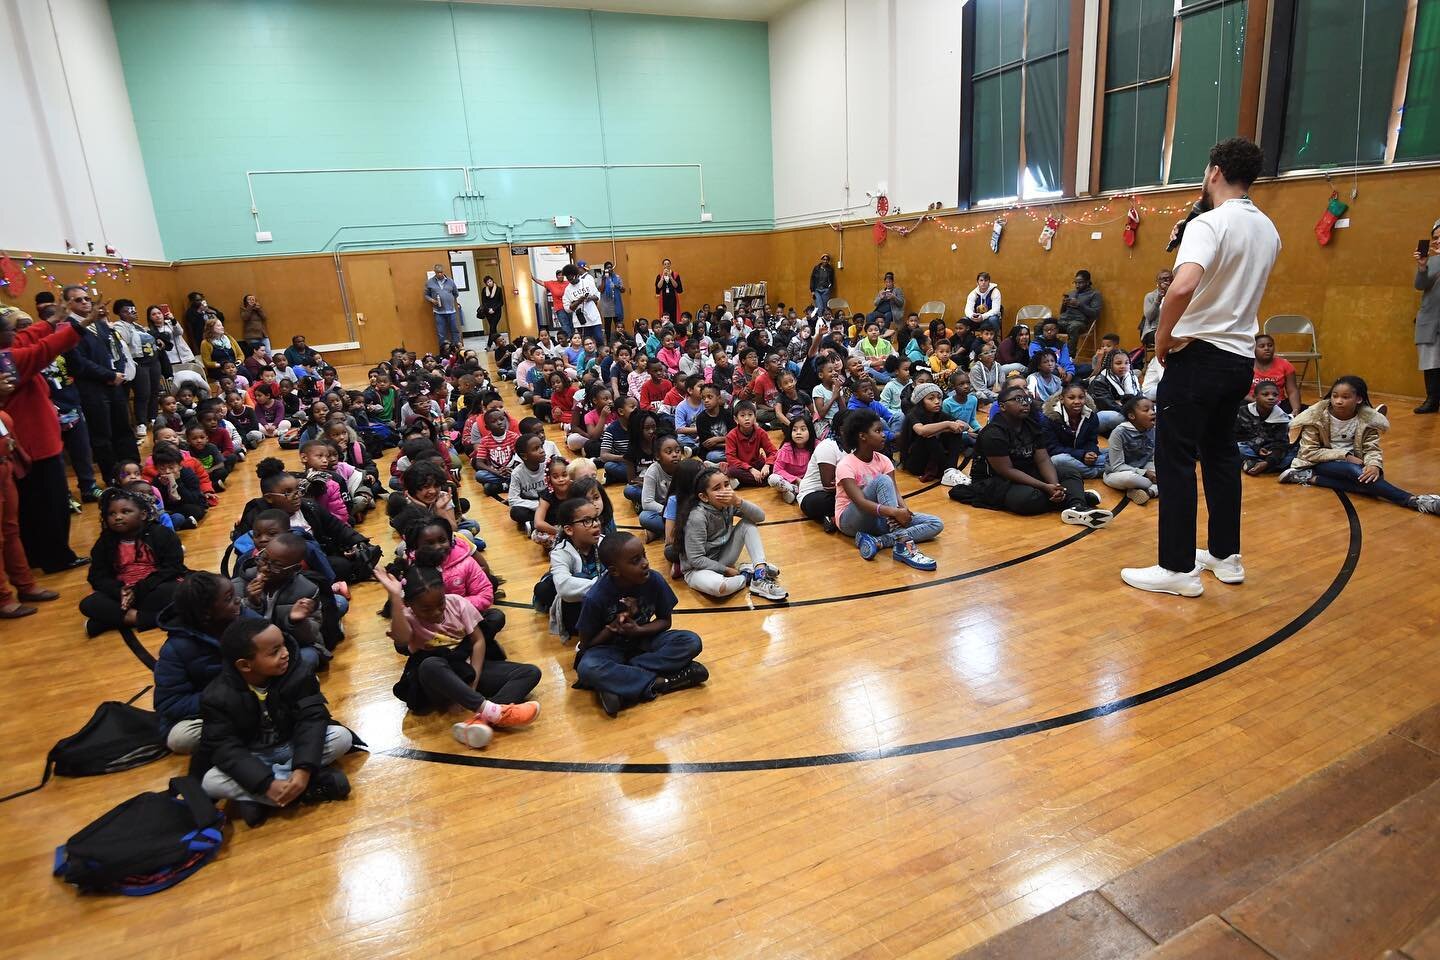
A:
[1236,245]
[589,312]
[826,451]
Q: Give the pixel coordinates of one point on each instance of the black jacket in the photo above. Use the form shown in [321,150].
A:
[333,536]
[164,546]
[822,277]
[231,722]
[92,362]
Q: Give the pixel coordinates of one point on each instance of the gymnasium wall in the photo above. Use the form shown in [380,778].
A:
[221,88]
[1358,290]
[71,165]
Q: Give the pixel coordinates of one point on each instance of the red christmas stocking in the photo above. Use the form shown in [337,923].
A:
[1334,210]
[1132,226]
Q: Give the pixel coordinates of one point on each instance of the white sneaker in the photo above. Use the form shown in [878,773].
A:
[1426,503]
[1228,570]
[1157,579]
[954,477]
[787,493]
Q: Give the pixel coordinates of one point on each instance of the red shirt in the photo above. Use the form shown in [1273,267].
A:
[220,436]
[1280,368]
[557,290]
[562,405]
[37,427]
[754,450]
[654,392]
[133,562]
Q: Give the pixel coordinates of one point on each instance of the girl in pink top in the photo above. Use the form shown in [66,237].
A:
[432,543]
[669,354]
[793,458]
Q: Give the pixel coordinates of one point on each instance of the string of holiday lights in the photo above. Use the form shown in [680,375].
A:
[20,267]
[1034,212]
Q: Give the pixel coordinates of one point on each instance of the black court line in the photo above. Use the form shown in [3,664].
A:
[1302,620]
[801,519]
[882,592]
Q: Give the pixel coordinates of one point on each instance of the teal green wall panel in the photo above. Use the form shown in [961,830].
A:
[219,88]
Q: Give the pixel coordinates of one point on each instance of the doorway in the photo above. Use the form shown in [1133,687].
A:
[372,298]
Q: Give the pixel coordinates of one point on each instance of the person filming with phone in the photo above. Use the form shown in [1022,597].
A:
[1427,319]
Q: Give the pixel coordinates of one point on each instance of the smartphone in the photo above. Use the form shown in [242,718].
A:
[7,363]
[1423,248]
[164,309]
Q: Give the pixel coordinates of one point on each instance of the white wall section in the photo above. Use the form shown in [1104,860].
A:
[72,161]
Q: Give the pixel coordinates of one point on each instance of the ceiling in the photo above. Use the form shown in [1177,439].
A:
[714,9]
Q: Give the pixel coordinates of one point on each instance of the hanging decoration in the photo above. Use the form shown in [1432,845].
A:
[882,207]
[1132,225]
[1334,210]
[995,232]
[1047,232]
[14,282]
[12,278]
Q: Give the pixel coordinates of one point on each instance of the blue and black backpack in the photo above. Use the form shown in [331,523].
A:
[147,844]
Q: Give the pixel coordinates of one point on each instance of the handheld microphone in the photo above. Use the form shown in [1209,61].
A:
[1195,210]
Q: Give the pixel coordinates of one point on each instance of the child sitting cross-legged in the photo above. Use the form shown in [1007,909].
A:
[451,661]
[203,606]
[266,736]
[271,586]
[1262,430]
[1130,464]
[135,566]
[867,505]
[715,525]
[793,457]
[749,451]
[655,487]
[1072,433]
[628,653]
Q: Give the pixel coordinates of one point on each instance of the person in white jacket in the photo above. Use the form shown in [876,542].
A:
[982,305]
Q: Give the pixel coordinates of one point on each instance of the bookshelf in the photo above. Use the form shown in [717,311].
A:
[751,296]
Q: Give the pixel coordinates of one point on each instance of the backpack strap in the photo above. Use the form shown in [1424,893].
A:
[202,808]
[137,648]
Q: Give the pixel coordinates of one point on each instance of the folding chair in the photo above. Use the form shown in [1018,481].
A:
[1288,324]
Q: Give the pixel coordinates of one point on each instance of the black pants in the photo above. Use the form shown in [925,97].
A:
[106,612]
[145,391]
[1197,398]
[541,406]
[933,455]
[819,505]
[45,515]
[522,515]
[107,414]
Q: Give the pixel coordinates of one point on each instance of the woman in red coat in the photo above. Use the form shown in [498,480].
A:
[43,493]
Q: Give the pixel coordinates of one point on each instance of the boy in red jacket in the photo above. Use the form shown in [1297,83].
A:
[749,451]
[655,389]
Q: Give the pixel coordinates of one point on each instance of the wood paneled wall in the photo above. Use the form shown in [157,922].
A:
[1358,290]
[148,284]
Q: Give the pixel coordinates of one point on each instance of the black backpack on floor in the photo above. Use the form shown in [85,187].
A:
[147,844]
[117,737]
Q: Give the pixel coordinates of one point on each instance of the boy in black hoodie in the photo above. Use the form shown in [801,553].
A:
[266,735]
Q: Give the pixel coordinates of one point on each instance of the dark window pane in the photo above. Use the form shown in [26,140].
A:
[1133,144]
[1044,124]
[999,33]
[1339,83]
[1141,36]
[995,141]
[1047,27]
[1420,121]
[1207,101]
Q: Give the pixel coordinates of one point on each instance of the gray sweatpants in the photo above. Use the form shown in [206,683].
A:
[184,737]
[747,536]
[219,785]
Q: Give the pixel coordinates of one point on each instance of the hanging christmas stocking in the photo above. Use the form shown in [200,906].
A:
[1047,233]
[1334,210]
[1132,225]
[995,232]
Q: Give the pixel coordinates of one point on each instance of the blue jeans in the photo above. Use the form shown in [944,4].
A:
[881,490]
[652,521]
[1078,467]
[447,327]
[491,481]
[1108,420]
[615,472]
[219,785]
[821,298]
[879,376]
[1344,475]
[562,317]
[632,493]
[715,456]
[1249,453]
[629,671]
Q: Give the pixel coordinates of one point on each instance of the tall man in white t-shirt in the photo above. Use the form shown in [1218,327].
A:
[1206,342]
[582,299]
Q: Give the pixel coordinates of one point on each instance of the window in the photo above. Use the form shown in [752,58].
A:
[1172,88]
[1417,132]
[1020,80]
[1344,56]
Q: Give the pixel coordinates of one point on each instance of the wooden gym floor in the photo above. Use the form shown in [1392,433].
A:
[897,763]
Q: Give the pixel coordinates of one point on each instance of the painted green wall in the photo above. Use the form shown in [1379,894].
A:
[219,88]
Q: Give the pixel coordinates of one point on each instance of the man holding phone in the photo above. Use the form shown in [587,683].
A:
[1427,319]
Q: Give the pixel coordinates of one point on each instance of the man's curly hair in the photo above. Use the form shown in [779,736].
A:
[1238,160]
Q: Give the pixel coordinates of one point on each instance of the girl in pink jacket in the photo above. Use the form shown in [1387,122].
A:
[793,457]
[432,543]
